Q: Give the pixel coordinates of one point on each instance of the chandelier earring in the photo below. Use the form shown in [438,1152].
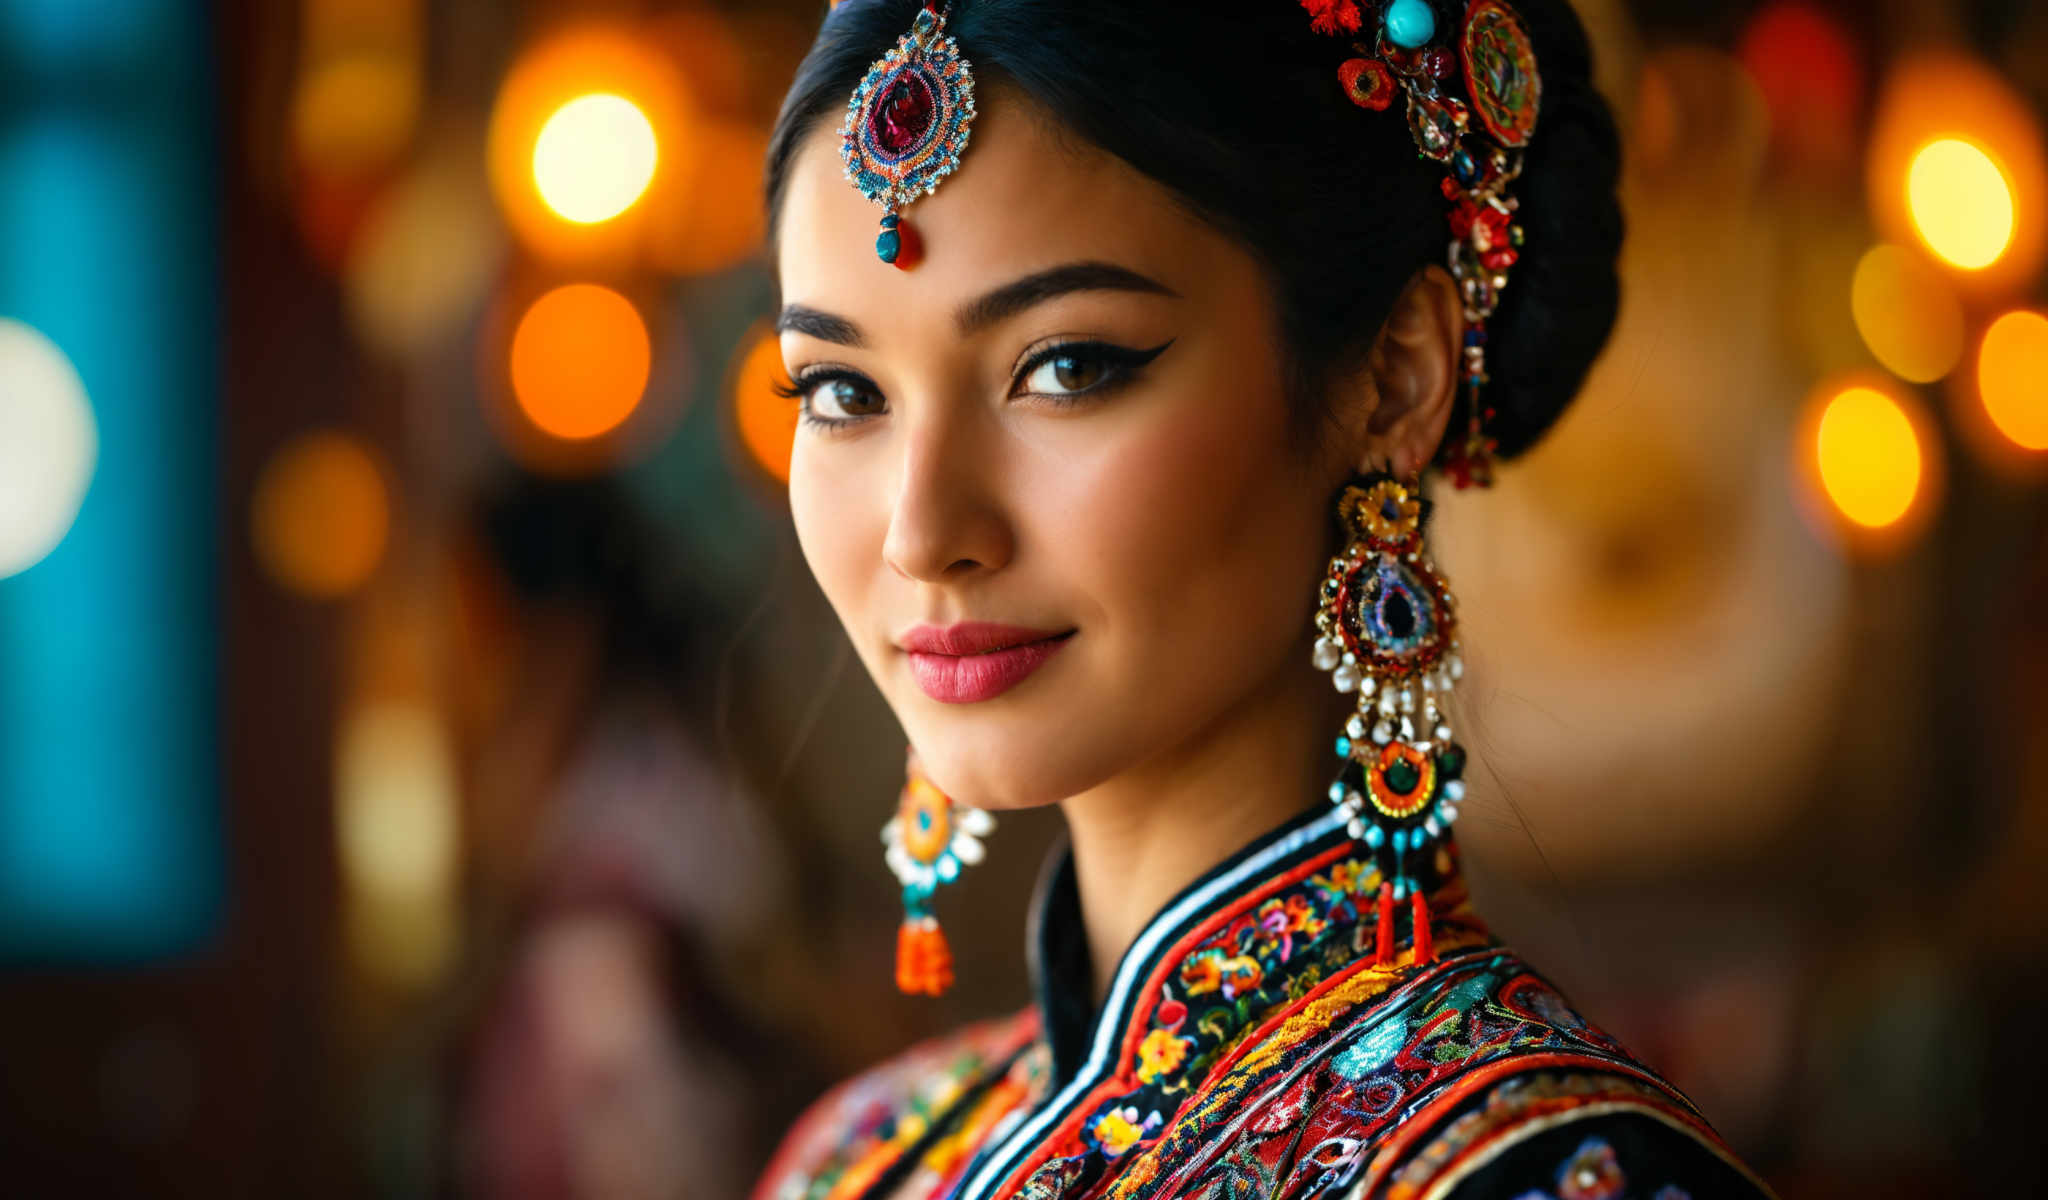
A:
[1387,633]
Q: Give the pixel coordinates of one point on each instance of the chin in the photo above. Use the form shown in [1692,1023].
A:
[1004,761]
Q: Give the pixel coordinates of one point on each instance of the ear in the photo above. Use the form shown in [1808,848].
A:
[1399,398]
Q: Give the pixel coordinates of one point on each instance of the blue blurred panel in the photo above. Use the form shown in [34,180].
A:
[109,825]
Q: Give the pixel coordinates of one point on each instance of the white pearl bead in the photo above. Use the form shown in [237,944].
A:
[1442,733]
[1387,703]
[1346,678]
[1328,651]
[1355,727]
[1407,699]
[1383,732]
[1457,667]
[1454,790]
[1448,811]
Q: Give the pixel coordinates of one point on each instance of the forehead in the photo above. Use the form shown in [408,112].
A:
[1028,195]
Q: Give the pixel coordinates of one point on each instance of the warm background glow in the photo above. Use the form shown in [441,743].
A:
[1869,457]
[594,158]
[1961,202]
[764,419]
[320,515]
[2012,376]
[580,359]
[1907,313]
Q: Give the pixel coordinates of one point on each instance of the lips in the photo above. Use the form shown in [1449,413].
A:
[977,660]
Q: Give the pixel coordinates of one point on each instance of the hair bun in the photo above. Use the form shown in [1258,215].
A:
[1560,304]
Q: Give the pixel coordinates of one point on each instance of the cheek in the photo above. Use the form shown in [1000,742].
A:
[1198,535]
[831,502]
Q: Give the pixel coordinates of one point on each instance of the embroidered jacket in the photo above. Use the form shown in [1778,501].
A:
[1249,1047]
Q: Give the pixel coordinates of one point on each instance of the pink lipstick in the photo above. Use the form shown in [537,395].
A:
[976,660]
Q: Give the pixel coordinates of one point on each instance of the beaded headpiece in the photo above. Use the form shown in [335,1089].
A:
[906,125]
[1493,56]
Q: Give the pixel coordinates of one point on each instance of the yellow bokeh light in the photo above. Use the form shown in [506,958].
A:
[1907,313]
[1869,457]
[1961,202]
[593,146]
[580,361]
[355,114]
[764,418]
[321,515]
[594,158]
[2012,378]
[397,839]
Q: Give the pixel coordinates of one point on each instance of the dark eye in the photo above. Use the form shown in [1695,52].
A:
[1066,373]
[838,398]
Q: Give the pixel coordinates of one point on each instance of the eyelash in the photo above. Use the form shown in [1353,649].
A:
[1122,362]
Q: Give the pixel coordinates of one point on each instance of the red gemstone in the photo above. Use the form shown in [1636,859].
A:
[904,116]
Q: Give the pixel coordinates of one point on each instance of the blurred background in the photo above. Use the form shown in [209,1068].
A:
[427,768]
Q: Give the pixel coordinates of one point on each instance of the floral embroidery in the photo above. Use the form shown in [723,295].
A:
[1161,1052]
[1119,1129]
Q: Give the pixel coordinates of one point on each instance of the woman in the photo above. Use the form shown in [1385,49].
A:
[1112,435]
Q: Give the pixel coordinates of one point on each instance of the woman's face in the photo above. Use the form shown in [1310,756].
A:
[1070,421]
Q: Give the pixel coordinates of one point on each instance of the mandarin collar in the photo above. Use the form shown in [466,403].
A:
[1082,1036]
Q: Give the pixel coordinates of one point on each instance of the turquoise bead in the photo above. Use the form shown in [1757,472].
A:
[1374,835]
[1337,793]
[1343,747]
[888,245]
[1410,23]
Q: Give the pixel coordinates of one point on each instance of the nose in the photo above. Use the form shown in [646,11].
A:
[948,521]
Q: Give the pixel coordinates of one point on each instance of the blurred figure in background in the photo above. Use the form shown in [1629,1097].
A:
[616,869]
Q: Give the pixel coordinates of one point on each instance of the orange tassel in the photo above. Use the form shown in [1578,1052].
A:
[924,962]
[1383,948]
[1425,949]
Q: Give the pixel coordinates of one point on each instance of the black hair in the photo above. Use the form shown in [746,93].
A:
[1235,108]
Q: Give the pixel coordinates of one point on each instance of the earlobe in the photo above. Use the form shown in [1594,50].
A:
[1413,367]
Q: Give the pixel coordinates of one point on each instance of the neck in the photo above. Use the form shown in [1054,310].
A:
[1143,836]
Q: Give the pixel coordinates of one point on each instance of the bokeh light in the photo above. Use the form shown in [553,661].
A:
[1956,163]
[594,158]
[396,834]
[355,114]
[321,514]
[1869,457]
[1907,313]
[1961,202]
[548,119]
[49,445]
[1811,75]
[580,361]
[764,419]
[2012,378]
[425,256]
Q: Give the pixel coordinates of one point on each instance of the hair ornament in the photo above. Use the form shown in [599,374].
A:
[1472,98]
[906,126]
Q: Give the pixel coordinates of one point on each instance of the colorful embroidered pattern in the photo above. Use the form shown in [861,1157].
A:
[1266,1055]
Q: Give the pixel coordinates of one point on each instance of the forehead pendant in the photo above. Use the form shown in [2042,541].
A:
[906,125]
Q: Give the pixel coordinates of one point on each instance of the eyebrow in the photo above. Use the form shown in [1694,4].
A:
[992,308]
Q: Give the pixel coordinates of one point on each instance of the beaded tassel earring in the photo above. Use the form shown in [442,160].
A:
[1387,632]
[928,840]
[906,126]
